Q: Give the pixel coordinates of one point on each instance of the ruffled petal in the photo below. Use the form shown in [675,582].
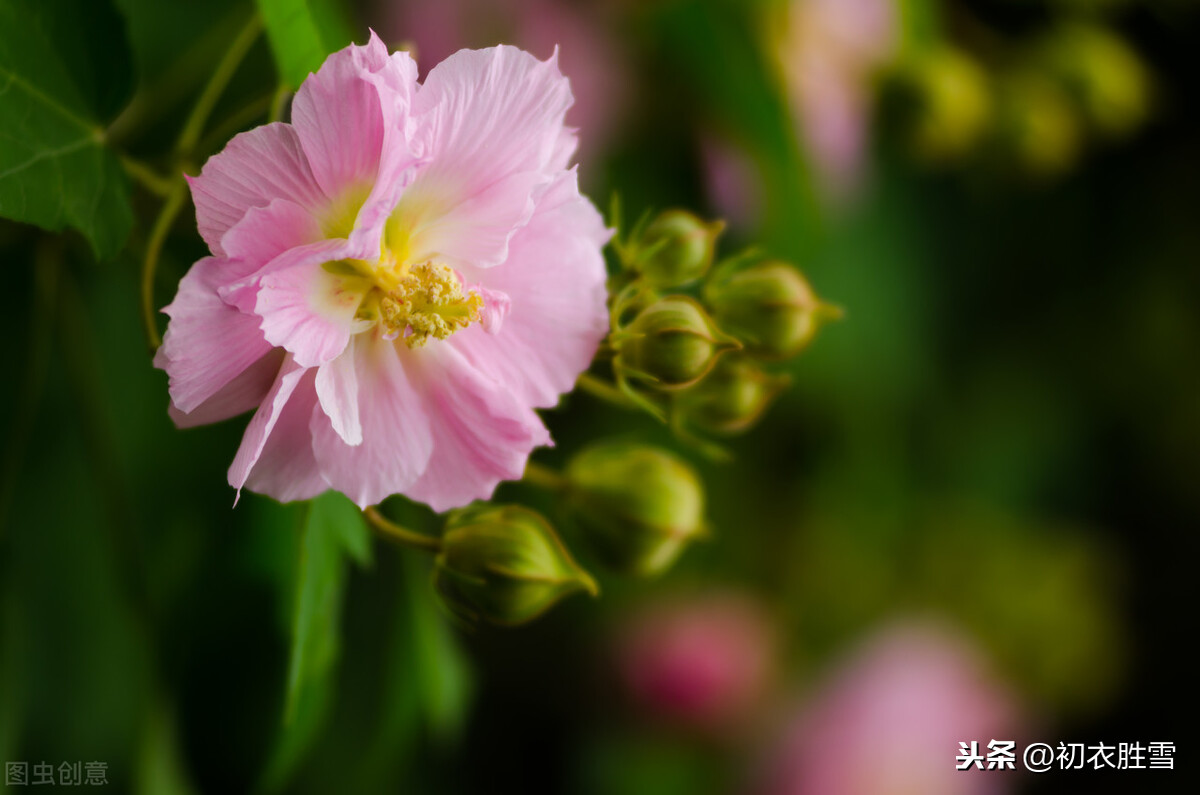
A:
[266,232]
[494,119]
[264,420]
[337,391]
[554,279]
[208,343]
[353,120]
[286,468]
[256,167]
[245,392]
[482,433]
[307,309]
[396,432]
[439,220]
[493,113]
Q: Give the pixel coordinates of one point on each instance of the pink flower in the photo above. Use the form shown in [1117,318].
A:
[891,720]
[591,53]
[701,662]
[398,278]
[829,51]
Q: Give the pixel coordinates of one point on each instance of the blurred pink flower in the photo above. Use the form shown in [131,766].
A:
[891,719]
[829,51]
[399,277]
[591,55]
[702,662]
[733,183]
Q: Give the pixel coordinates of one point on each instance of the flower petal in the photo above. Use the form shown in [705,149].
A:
[244,392]
[493,112]
[554,278]
[352,117]
[337,390]
[442,221]
[305,308]
[256,167]
[286,468]
[266,232]
[208,343]
[482,433]
[263,422]
[396,435]
[495,124]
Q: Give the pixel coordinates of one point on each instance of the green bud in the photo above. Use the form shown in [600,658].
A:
[1038,127]
[770,307]
[1103,76]
[944,103]
[638,505]
[671,344]
[732,398]
[676,248]
[504,564]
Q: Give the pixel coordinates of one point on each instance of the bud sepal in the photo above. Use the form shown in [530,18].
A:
[670,345]
[504,565]
[637,505]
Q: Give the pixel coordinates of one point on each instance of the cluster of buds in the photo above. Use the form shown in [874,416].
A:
[1035,113]
[691,339]
[635,506]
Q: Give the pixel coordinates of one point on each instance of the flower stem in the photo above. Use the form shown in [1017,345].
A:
[402,535]
[597,387]
[544,477]
[147,177]
[221,76]
[158,235]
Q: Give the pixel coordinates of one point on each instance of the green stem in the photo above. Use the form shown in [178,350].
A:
[221,76]
[394,532]
[147,177]
[544,477]
[158,235]
[597,387]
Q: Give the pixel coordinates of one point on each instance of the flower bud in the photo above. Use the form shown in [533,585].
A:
[672,344]
[1038,127]
[770,307]
[943,102]
[1103,75]
[504,564]
[676,248]
[700,661]
[638,505]
[732,398]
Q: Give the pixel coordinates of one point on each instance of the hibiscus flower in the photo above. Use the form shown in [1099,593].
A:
[398,278]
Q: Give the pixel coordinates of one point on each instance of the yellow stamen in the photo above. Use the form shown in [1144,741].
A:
[427,301]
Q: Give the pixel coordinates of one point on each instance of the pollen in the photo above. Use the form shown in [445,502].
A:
[427,300]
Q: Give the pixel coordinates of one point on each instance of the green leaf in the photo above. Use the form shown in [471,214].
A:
[440,666]
[333,529]
[302,33]
[426,685]
[160,768]
[55,170]
[333,532]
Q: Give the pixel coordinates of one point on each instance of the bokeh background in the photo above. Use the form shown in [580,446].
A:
[972,517]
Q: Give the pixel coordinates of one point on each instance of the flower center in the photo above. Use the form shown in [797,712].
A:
[410,302]
[427,301]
